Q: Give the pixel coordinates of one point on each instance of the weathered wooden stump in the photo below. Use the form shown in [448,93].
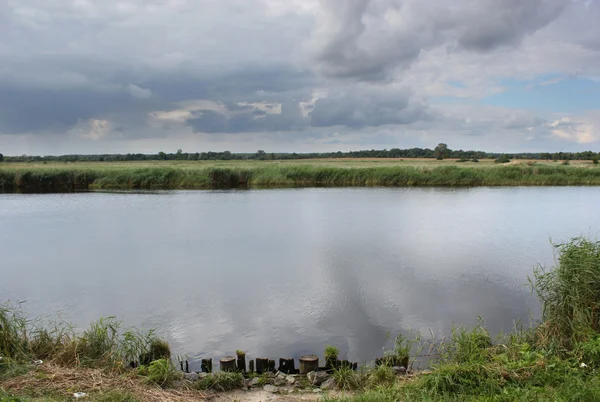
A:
[228,363]
[206,365]
[309,363]
[271,365]
[262,365]
[251,366]
[287,366]
[241,363]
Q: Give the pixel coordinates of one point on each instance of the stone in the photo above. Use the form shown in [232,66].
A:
[254,382]
[329,384]
[317,378]
[317,391]
[202,376]
[291,380]
[191,376]
[279,381]
[280,375]
[399,370]
[269,374]
[270,388]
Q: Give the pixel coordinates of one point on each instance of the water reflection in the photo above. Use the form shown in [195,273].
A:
[283,272]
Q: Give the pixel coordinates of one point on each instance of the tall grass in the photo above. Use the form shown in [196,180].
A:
[103,344]
[570,294]
[280,175]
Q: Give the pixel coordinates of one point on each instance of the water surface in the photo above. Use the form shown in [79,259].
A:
[283,272]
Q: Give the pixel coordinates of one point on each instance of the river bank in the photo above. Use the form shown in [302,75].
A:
[556,359]
[130,176]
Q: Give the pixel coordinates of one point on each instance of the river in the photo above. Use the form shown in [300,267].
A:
[284,272]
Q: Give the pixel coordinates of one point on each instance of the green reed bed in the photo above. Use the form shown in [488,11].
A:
[104,176]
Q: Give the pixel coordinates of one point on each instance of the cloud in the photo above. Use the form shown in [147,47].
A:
[139,92]
[293,73]
[371,40]
[582,132]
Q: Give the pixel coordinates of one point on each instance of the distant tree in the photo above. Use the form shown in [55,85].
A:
[441,151]
[260,154]
[162,156]
[546,155]
[594,159]
[1,157]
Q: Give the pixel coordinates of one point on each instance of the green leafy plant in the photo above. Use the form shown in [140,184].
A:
[162,372]
[221,381]
[346,379]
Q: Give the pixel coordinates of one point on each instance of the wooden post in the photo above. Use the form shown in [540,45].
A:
[287,366]
[262,365]
[309,363]
[271,365]
[241,363]
[206,365]
[227,363]
[251,364]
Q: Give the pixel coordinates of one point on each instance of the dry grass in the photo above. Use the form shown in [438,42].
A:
[332,162]
[57,380]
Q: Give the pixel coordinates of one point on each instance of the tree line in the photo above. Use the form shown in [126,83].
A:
[440,152]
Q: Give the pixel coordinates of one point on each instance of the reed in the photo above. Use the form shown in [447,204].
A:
[37,178]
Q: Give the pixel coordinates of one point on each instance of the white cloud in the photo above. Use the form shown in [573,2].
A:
[139,92]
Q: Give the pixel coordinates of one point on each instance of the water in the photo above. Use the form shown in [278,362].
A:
[283,272]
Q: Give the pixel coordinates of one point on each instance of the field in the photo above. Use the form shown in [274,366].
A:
[65,176]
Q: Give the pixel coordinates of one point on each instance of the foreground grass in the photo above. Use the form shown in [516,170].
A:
[232,174]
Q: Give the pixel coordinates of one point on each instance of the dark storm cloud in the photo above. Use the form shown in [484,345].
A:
[369,39]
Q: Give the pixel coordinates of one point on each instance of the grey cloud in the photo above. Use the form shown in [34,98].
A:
[359,109]
[489,24]
[369,40]
[210,121]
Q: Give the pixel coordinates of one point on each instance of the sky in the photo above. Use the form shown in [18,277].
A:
[85,76]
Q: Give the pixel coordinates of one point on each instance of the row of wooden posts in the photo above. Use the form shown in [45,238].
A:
[308,363]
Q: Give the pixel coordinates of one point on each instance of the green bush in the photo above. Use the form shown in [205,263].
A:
[570,294]
[221,381]
[347,379]
[162,372]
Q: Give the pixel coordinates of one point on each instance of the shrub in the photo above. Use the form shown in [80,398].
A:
[221,381]
[565,163]
[331,354]
[502,159]
[595,160]
[162,372]
[382,375]
[570,294]
[346,379]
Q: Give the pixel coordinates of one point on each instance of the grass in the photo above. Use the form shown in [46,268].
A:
[221,381]
[556,360]
[233,174]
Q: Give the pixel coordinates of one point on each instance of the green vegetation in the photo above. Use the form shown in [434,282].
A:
[556,360]
[200,175]
[240,353]
[502,159]
[221,381]
[347,379]
[161,372]
[440,152]
[331,353]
